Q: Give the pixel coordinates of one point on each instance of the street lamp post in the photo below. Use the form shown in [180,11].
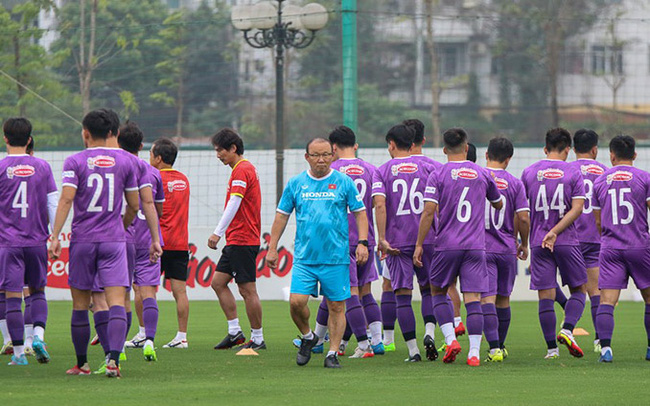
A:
[279,25]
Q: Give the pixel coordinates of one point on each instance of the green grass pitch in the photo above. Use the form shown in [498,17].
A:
[201,375]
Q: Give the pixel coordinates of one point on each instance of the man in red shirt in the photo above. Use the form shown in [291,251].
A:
[174,228]
[241,222]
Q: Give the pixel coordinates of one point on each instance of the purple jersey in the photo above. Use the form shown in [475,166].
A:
[402,181]
[621,194]
[25,182]
[361,173]
[460,190]
[143,178]
[101,176]
[142,237]
[551,185]
[586,224]
[500,224]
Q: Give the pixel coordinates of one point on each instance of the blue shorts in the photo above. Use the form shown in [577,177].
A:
[334,280]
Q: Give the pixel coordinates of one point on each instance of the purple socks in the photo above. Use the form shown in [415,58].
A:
[356,318]
[15,320]
[491,325]
[475,319]
[405,316]
[101,327]
[150,317]
[427,305]
[129,319]
[646,321]
[560,298]
[323,314]
[444,314]
[3,306]
[388,310]
[605,323]
[504,315]
[80,329]
[595,302]
[27,314]
[39,309]
[573,310]
[116,331]
[547,321]
[371,309]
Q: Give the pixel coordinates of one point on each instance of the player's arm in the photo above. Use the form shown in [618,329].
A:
[52,201]
[426,219]
[597,218]
[362,228]
[63,209]
[132,206]
[151,216]
[380,219]
[277,229]
[498,204]
[228,215]
[577,205]
[522,222]
[159,209]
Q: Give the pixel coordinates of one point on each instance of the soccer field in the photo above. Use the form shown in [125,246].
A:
[201,375]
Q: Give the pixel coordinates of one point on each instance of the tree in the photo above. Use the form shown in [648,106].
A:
[435,77]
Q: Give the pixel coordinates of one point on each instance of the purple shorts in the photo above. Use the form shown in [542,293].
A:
[362,274]
[402,270]
[20,266]
[147,273]
[590,252]
[617,265]
[544,263]
[502,271]
[468,265]
[105,261]
[130,260]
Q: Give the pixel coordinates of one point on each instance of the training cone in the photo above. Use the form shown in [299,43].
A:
[580,332]
[247,351]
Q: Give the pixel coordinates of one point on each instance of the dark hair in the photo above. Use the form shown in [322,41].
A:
[557,139]
[99,123]
[313,140]
[471,152]
[454,138]
[402,136]
[17,130]
[165,149]
[343,137]
[622,146]
[131,137]
[500,149]
[226,138]
[115,120]
[30,146]
[584,140]
[418,129]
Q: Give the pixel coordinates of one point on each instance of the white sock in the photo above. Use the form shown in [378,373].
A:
[375,332]
[29,332]
[141,331]
[457,321]
[389,337]
[233,327]
[39,332]
[430,330]
[413,347]
[344,343]
[309,335]
[330,352]
[5,331]
[567,332]
[257,336]
[19,350]
[474,345]
[553,351]
[448,332]
[181,336]
[364,345]
[320,331]
[604,349]
[148,343]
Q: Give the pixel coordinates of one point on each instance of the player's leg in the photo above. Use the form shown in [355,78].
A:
[388,309]
[504,315]
[489,310]
[150,320]
[444,268]
[7,347]
[136,341]
[116,326]
[454,299]
[401,273]
[29,323]
[179,291]
[336,324]
[373,316]
[130,256]
[174,265]
[573,271]
[426,306]
[506,274]
[228,305]
[543,279]
[646,318]
[560,297]
[146,279]
[304,283]
[594,298]
[36,277]
[101,316]
[357,320]
[638,266]
[248,291]
[605,321]
[474,279]
[80,328]
[16,325]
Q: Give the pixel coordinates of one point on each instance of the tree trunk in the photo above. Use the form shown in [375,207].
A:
[180,107]
[435,80]
[86,63]
[553,44]
[22,111]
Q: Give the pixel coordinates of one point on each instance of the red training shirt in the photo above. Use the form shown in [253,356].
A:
[174,220]
[245,227]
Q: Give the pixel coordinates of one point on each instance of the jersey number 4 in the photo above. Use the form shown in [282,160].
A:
[20,199]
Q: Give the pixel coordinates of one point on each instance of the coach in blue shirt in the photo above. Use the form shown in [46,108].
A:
[321,198]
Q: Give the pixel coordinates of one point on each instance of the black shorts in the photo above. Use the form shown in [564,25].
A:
[173,264]
[240,262]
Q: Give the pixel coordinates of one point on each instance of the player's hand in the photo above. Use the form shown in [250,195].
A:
[385,247]
[55,249]
[417,256]
[362,254]
[272,258]
[522,252]
[213,241]
[549,240]
[382,254]
[155,252]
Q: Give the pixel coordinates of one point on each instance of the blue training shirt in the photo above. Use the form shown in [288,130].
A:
[321,216]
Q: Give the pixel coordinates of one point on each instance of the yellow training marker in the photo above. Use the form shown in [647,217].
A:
[247,351]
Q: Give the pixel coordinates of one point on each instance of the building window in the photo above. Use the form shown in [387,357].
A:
[606,60]
[452,60]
